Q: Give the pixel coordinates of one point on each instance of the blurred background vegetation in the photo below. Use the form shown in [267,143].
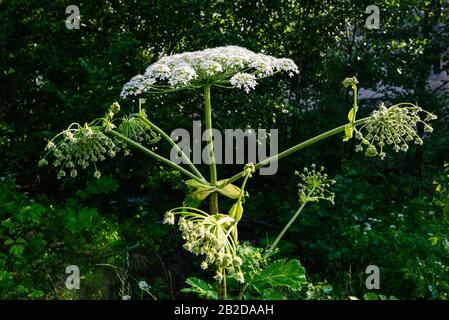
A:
[392,213]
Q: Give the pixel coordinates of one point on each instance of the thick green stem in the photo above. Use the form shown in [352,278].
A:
[211,151]
[153,154]
[297,147]
[174,145]
[213,173]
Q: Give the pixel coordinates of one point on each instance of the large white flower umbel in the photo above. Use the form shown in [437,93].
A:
[228,67]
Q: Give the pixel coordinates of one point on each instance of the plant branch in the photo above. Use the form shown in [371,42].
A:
[295,148]
[174,145]
[286,227]
[153,154]
[278,238]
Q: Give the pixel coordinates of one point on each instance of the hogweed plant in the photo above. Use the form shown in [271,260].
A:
[211,234]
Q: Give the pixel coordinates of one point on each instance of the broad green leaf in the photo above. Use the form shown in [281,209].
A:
[281,274]
[200,287]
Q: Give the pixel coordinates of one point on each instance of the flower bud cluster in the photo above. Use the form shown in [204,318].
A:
[79,147]
[395,126]
[314,185]
[208,236]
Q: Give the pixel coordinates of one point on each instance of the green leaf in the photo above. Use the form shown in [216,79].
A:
[236,211]
[349,129]
[201,194]
[16,250]
[229,190]
[193,183]
[351,115]
[280,273]
[200,190]
[370,296]
[200,287]
[270,294]
[8,242]
[104,184]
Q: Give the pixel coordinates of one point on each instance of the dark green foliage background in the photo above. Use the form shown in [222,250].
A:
[51,76]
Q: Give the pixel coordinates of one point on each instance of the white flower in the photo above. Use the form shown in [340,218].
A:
[244,81]
[158,71]
[195,69]
[143,285]
[240,277]
[182,75]
[137,85]
[69,136]
[50,145]
[288,65]
[217,248]
[88,132]
[211,67]
[218,276]
[109,126]
[169,218]
[204,265]
[263,64]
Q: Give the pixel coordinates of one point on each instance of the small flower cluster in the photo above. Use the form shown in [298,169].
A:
[143,285]
[80,146]
[232,65]
[134,128]
[243,81]
[314,185]
[352,82]
[208,236]
[249,169]
[393,126]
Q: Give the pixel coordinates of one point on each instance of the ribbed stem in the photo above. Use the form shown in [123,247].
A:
[211,152]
